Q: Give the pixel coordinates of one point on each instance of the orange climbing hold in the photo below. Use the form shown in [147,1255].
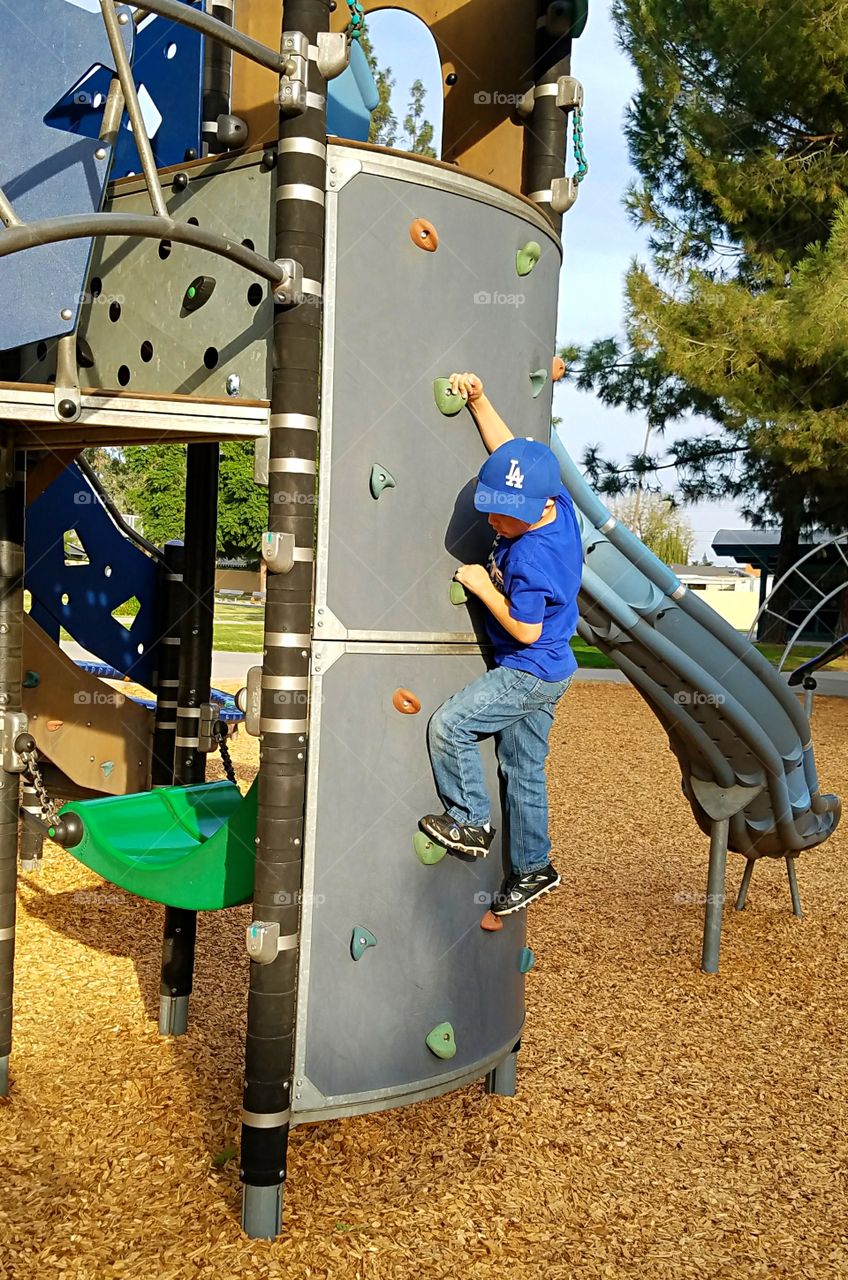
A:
[406,702]
[424,235]
[491,923]
[557,369]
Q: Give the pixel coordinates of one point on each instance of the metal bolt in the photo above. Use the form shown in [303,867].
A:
[66,313]
[123,19]
[100,153]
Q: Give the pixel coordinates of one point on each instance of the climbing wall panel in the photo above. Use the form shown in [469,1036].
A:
[363,1023]
[398,317]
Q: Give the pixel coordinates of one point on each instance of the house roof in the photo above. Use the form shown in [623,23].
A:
[759,546]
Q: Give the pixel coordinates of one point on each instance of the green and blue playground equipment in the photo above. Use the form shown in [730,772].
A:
[280,331]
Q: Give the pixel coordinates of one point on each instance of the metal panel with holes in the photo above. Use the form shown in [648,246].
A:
[397,318]
[363,1024]
[169,319]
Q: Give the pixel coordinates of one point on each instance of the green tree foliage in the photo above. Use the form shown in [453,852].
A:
[155,483]
[384,125]
[419,132]
[384,131]
[658,523]
[153,479]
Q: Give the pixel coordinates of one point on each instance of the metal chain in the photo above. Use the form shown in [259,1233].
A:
[357,19]
[49,812]
[220,732]
[577,145]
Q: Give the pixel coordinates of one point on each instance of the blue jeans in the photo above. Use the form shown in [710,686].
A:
[517,708]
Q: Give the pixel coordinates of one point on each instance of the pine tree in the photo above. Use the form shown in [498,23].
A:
[739,136]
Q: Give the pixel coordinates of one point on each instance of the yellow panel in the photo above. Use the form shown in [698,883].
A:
[488,44]
[82,724]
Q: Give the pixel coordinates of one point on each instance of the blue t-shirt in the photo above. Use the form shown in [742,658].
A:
[539,572]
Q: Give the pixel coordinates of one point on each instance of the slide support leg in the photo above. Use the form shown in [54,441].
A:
[742,896]
[793,887]
[715,895]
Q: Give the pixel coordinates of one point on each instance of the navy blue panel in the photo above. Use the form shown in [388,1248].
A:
[117,570]
[168,71]
[44,49]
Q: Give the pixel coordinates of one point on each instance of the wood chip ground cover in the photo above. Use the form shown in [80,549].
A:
[667,1125]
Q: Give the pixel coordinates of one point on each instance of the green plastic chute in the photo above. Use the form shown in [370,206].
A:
[190,847]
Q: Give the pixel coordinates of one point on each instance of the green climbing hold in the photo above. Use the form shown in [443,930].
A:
[447,400]
[427,850]
[526,960]
[441,1041]
[381,479]
[360,940]
[32,680]
[526,258]
[458,594]
[538,378]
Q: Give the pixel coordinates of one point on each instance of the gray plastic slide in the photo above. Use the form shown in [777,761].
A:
[739,733]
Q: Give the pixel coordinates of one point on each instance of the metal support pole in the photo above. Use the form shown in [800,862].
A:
[793,887]
[194,689]
[31,843]
[11,672]
[269,1049]
[168,668]
[546,129]
[139,129]
[7,214]
[715,895]
[217,76]
[742,896]
[502,1078]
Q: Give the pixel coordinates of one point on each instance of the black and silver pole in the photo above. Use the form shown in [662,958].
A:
[217,78]
[171,611]
[301,178]
[195,679]
[546,124]
[31,841]
[12,499]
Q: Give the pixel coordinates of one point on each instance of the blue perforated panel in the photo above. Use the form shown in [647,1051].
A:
[82,597]
[45,49]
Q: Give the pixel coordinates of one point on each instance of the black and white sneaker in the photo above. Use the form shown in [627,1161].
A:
[461,837]
[518,891]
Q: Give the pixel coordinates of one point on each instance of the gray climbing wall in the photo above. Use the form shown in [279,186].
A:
[396,318]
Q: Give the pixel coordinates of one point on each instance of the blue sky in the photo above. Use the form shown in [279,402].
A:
[599,240]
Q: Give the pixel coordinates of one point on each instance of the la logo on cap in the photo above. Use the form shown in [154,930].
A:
[514,477]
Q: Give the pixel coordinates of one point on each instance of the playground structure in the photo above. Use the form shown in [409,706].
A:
[797,584]
[279,267]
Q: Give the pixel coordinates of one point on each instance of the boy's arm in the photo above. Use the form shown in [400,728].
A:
[493,430]
[476,579]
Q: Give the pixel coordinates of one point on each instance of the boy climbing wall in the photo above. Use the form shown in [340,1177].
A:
[529,588]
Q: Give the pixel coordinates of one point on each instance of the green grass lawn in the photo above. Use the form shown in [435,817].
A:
[239,628]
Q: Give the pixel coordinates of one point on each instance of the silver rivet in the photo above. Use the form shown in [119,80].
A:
[66,313]
[123,19]
[100,153]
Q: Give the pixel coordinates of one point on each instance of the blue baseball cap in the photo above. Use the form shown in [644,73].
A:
[517,480]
